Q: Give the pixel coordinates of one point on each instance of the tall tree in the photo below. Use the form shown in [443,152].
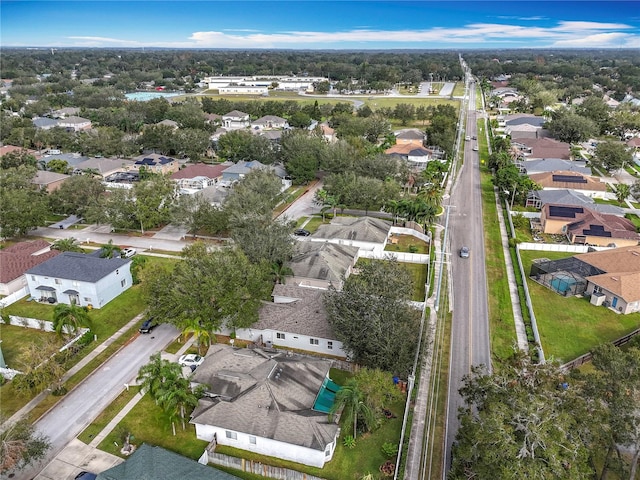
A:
[22,206]
[67,245]
[69,318]
[612,156]
[351,401]
[153,201]
[109,250]
[372,317]
[20,445]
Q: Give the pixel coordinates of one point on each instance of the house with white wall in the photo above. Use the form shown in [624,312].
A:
[296,319]
[366,233]
[266,402]
[235,120]
[79,278]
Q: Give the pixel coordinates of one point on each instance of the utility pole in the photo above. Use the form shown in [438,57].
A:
[442,255]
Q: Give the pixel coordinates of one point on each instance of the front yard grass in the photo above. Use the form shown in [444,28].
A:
[635,219]
[408,244]
[12,340]
[315,222]
[108,414]
[571,326]
[418,273]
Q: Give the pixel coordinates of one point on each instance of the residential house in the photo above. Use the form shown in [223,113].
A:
[416,157]
[328,133]
[195,177]
[619,285]
[4,149]
[587,227]
[49,181]
[215,194]
[411,136]
[366,233]
[535,148]
[542,165]
[44,123]
[321,264]
[243,90]
[169,123]
[79,278]
[269,122]
[74,123]
[267,402]
[238,171]
[156,163]
[296,319]
[235,120]
[65,112]
[155,463]
[563,180]
[72,159]
[17,259]
[213,118]
[103,166]
[538,198]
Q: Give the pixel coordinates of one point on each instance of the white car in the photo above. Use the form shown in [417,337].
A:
[190,360]
[127,252]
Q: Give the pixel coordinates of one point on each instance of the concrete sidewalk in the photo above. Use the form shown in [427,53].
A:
[172,357]
[73,370]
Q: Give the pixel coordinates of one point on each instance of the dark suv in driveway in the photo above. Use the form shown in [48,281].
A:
[147,326]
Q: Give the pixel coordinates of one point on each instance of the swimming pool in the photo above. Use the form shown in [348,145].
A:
[146,96]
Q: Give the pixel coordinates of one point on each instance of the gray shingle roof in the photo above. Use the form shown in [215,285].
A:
[156,463]
[78,266]
[304,316]
[277,406]
[362,229]
[572,197]
[554,164]
[322,261]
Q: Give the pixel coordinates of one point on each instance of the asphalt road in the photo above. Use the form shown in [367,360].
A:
[470,320]
[80,406]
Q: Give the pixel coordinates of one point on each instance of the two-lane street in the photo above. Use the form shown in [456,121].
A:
[80,406]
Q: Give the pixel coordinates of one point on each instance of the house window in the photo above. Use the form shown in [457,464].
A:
[75,284]
[597,289]
[123,282]
[58,281]
[313,341]
[33,278]
[327,452]
[231,435]
[252,440]
[87,299]
[280,336]
[330,345]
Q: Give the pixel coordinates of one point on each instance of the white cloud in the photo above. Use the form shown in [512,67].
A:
[563,34]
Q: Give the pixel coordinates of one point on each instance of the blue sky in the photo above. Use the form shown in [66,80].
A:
[321,24]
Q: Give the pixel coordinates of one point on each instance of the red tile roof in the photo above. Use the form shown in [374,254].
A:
[18,258]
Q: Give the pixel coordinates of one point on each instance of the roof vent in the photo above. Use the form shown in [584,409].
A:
[614,279]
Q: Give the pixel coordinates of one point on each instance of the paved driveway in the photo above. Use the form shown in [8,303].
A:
[75,458]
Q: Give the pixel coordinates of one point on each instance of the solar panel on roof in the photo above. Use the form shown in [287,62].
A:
[563,211]
[569,178]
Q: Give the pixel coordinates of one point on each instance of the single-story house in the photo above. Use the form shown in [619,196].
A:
[366,233]
[103,166]
[215,194]
[155,463]
[267,402]
[619,286]
[538,198]
[44,123]
[156,163]
[197,176]
[169,123]
[296,319]
[4,149]
[238,171]
[588,227]
[72,159]
[235,120]
[321,264]
[567,180]
[79,278]
[533,148]
[269,122]
[17,259]
[542,165]
[243,90]
[75,123]
[65,112]
[49,181]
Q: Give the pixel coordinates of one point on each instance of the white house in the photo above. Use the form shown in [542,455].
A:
[269,122]
[296,319]
[366,233]
[243,90]
[75,123]
[79,278]
[17,259]
[235,120]
[270,403]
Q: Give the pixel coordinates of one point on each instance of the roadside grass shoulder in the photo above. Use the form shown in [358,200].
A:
[108,414]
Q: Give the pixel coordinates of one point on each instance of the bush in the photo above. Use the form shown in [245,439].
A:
[390,449]
[349,441]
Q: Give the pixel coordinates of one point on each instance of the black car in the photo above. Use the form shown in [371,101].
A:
[301,232]
[147,326]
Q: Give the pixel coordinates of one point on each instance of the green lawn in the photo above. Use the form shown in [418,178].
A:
[571,326]
[108,414]
[635,219]
[419,275]
[315,222]
[405,244]
[12,337]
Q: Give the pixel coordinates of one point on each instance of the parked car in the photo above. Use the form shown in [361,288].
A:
[148,325]
[301,232]
[190,360]
[127,252]
[86,476]
[465,252]
[467,138]
[475,148]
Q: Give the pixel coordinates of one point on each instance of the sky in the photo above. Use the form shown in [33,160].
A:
[321,25]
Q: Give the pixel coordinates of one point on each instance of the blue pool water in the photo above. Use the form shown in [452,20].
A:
[146,96]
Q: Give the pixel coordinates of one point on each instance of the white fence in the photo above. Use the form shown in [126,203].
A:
[400,256]
[14,297]
[558,247]
[410,231]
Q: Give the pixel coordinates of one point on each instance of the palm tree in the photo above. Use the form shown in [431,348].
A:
[622,191]
[157,372]
[174,397]
[67,245]
[279,271]
[68,318]
[431,194]
[109,250]
[201,334]
[350,399]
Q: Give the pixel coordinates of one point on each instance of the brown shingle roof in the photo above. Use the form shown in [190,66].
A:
[546,180]
[624,285]
[408,149]
[18,258]
[595,224]
[547,148]
[623,259]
